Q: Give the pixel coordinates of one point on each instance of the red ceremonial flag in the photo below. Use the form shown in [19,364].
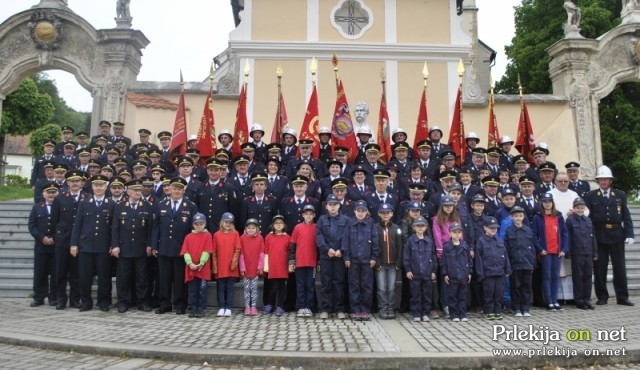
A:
[456,135]
[206,142]
[342,126]
[525,142]
[280,121]
[494,133]
[422,126]
[179,138]
[241,130]
[309,130]
[384,135]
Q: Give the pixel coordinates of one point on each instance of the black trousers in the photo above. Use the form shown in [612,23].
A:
[493,290]
[457,291]
[153,282]
[67,271]
[290,298]
[277,292]
[332,273]
[521,290]
[616,252]
[131,272]
[44,276]
[581,275]
[172,279]
[98,262]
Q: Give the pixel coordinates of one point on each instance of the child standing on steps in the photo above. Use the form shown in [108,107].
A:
[226,253]
[251,264]
[420,263]
[196,249]
[276,266]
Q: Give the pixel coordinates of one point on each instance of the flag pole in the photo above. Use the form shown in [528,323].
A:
[492,115]
[210,102]
[334,61]
[279,74]
[461,139]
[425,76]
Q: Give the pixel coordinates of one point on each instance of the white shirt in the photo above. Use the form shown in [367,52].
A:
[563,201]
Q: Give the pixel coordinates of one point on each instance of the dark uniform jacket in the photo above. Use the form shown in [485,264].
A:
[390,240]
[374,202]
[582,241]
[263,211]
[131,230]
[41,225]
[170,228]
[610,216]
[580,187]
[419,257]
[456,261]
[92,228]
[279,187]
[213,201]
[360,241]
[522,247]
[290,210]
[329,232]
[64,212]
[491,257]
[38,170]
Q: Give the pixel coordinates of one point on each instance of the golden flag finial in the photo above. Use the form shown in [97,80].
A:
[279,71]
[460,69]
[519,85]
[313,68]
[383,75]
[334,61]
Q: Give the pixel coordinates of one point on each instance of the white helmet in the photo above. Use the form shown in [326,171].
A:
[364,130]
[543,146]
[256,127]
[604,172]
[324,130]
[193,137]
[435,128]
[290,131]
[398,130]
[506,139]
[224,132]
[473,135]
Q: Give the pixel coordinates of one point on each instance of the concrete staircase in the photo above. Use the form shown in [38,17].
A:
[16,254]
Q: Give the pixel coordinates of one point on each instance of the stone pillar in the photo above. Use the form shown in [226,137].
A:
[569,66]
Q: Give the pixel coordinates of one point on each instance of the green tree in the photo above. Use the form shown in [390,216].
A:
[63,114]
[25,109]
[538,25]
[38,137]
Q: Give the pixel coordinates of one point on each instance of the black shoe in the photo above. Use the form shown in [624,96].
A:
[85,308]
[60,306]
[75,305]
[144,307]
[199,313]
[180,311]
[105,308]
[192,314]
[53,303]
[162,310]
[122,309]
[625,302]
[601,302]
[36,304]
[582,306]
[589,306]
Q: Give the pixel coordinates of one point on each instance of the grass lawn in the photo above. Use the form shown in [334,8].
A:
[14,192]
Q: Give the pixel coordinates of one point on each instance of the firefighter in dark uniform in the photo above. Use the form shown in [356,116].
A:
[259,205]
[131,244]
[491,200]
[241,182]
[289,150]
[185,171]
[257,134]
[277,184]
[324,136]
[165,159]
[118,133]
[216,196]
[64,214]
[172,223]
[105,132]
[506,159]
[91,242]
[528,200]
[546,173]
[380,195]
[306,148]
[67,135]
[334,168]
[41,227]
[199,171]
[401,159]
[38,169]
[339,188]
[613,229]
[358,188]
[575,184]
[291,210]
[255,164]
[427,160]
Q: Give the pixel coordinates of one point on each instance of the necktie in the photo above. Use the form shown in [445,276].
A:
[530,203]
[75,199]
[495,200]
[548,187]
[299,201]
[361,189]
[242,181]
[605,194]
[464,189]
[48,208]
[260,202]
[436,147]
[575,184]
[98,203]
[270,180]
[390,185]
[382,199]
[134,206]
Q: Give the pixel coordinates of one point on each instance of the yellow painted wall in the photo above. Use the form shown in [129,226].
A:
[425,22]
[279,20]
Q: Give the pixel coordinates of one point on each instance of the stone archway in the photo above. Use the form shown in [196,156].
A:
[587,70]
[51,36]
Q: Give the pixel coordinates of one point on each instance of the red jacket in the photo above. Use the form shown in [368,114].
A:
[195,244]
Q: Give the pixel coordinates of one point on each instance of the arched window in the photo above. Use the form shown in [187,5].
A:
[352,18]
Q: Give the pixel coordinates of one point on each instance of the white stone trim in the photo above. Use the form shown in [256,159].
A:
[301,50]
[250,86]
[339,29]
[390,22]
[393,98]
[458,34]
[313,20]
[453,83]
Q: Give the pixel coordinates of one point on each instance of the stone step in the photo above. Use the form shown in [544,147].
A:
[21,290]
[17,256]
[15,214]
[17,245]
[14,227]
[18,277]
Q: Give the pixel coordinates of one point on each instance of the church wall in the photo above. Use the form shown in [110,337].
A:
[425,22]
[279,20]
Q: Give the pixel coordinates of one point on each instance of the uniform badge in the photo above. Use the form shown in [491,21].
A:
[184,219]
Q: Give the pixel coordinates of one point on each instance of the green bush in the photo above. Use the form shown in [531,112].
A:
[17,181]
[38,137]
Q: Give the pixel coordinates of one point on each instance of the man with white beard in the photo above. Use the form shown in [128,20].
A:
[563,198]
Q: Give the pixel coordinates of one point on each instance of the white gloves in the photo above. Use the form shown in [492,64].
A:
[629,241]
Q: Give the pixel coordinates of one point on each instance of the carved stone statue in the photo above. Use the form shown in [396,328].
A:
[573,13]
[630,4]
[361,112]
[122,9]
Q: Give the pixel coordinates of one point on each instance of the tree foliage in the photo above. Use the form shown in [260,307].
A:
[63,114]
[538,25]
[39,136]
[25,109]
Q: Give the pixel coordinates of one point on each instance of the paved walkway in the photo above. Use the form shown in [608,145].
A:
[314,343]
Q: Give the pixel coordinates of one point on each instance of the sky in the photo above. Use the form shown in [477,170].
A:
[187,35]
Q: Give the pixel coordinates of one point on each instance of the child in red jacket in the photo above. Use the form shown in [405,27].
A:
[276,248]
[251,264]
[196,249]
[303,259]
[226,253]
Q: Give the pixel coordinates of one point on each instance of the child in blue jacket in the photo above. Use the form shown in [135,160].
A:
[456,266]
[420,263]
[492,266]
[361,249]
